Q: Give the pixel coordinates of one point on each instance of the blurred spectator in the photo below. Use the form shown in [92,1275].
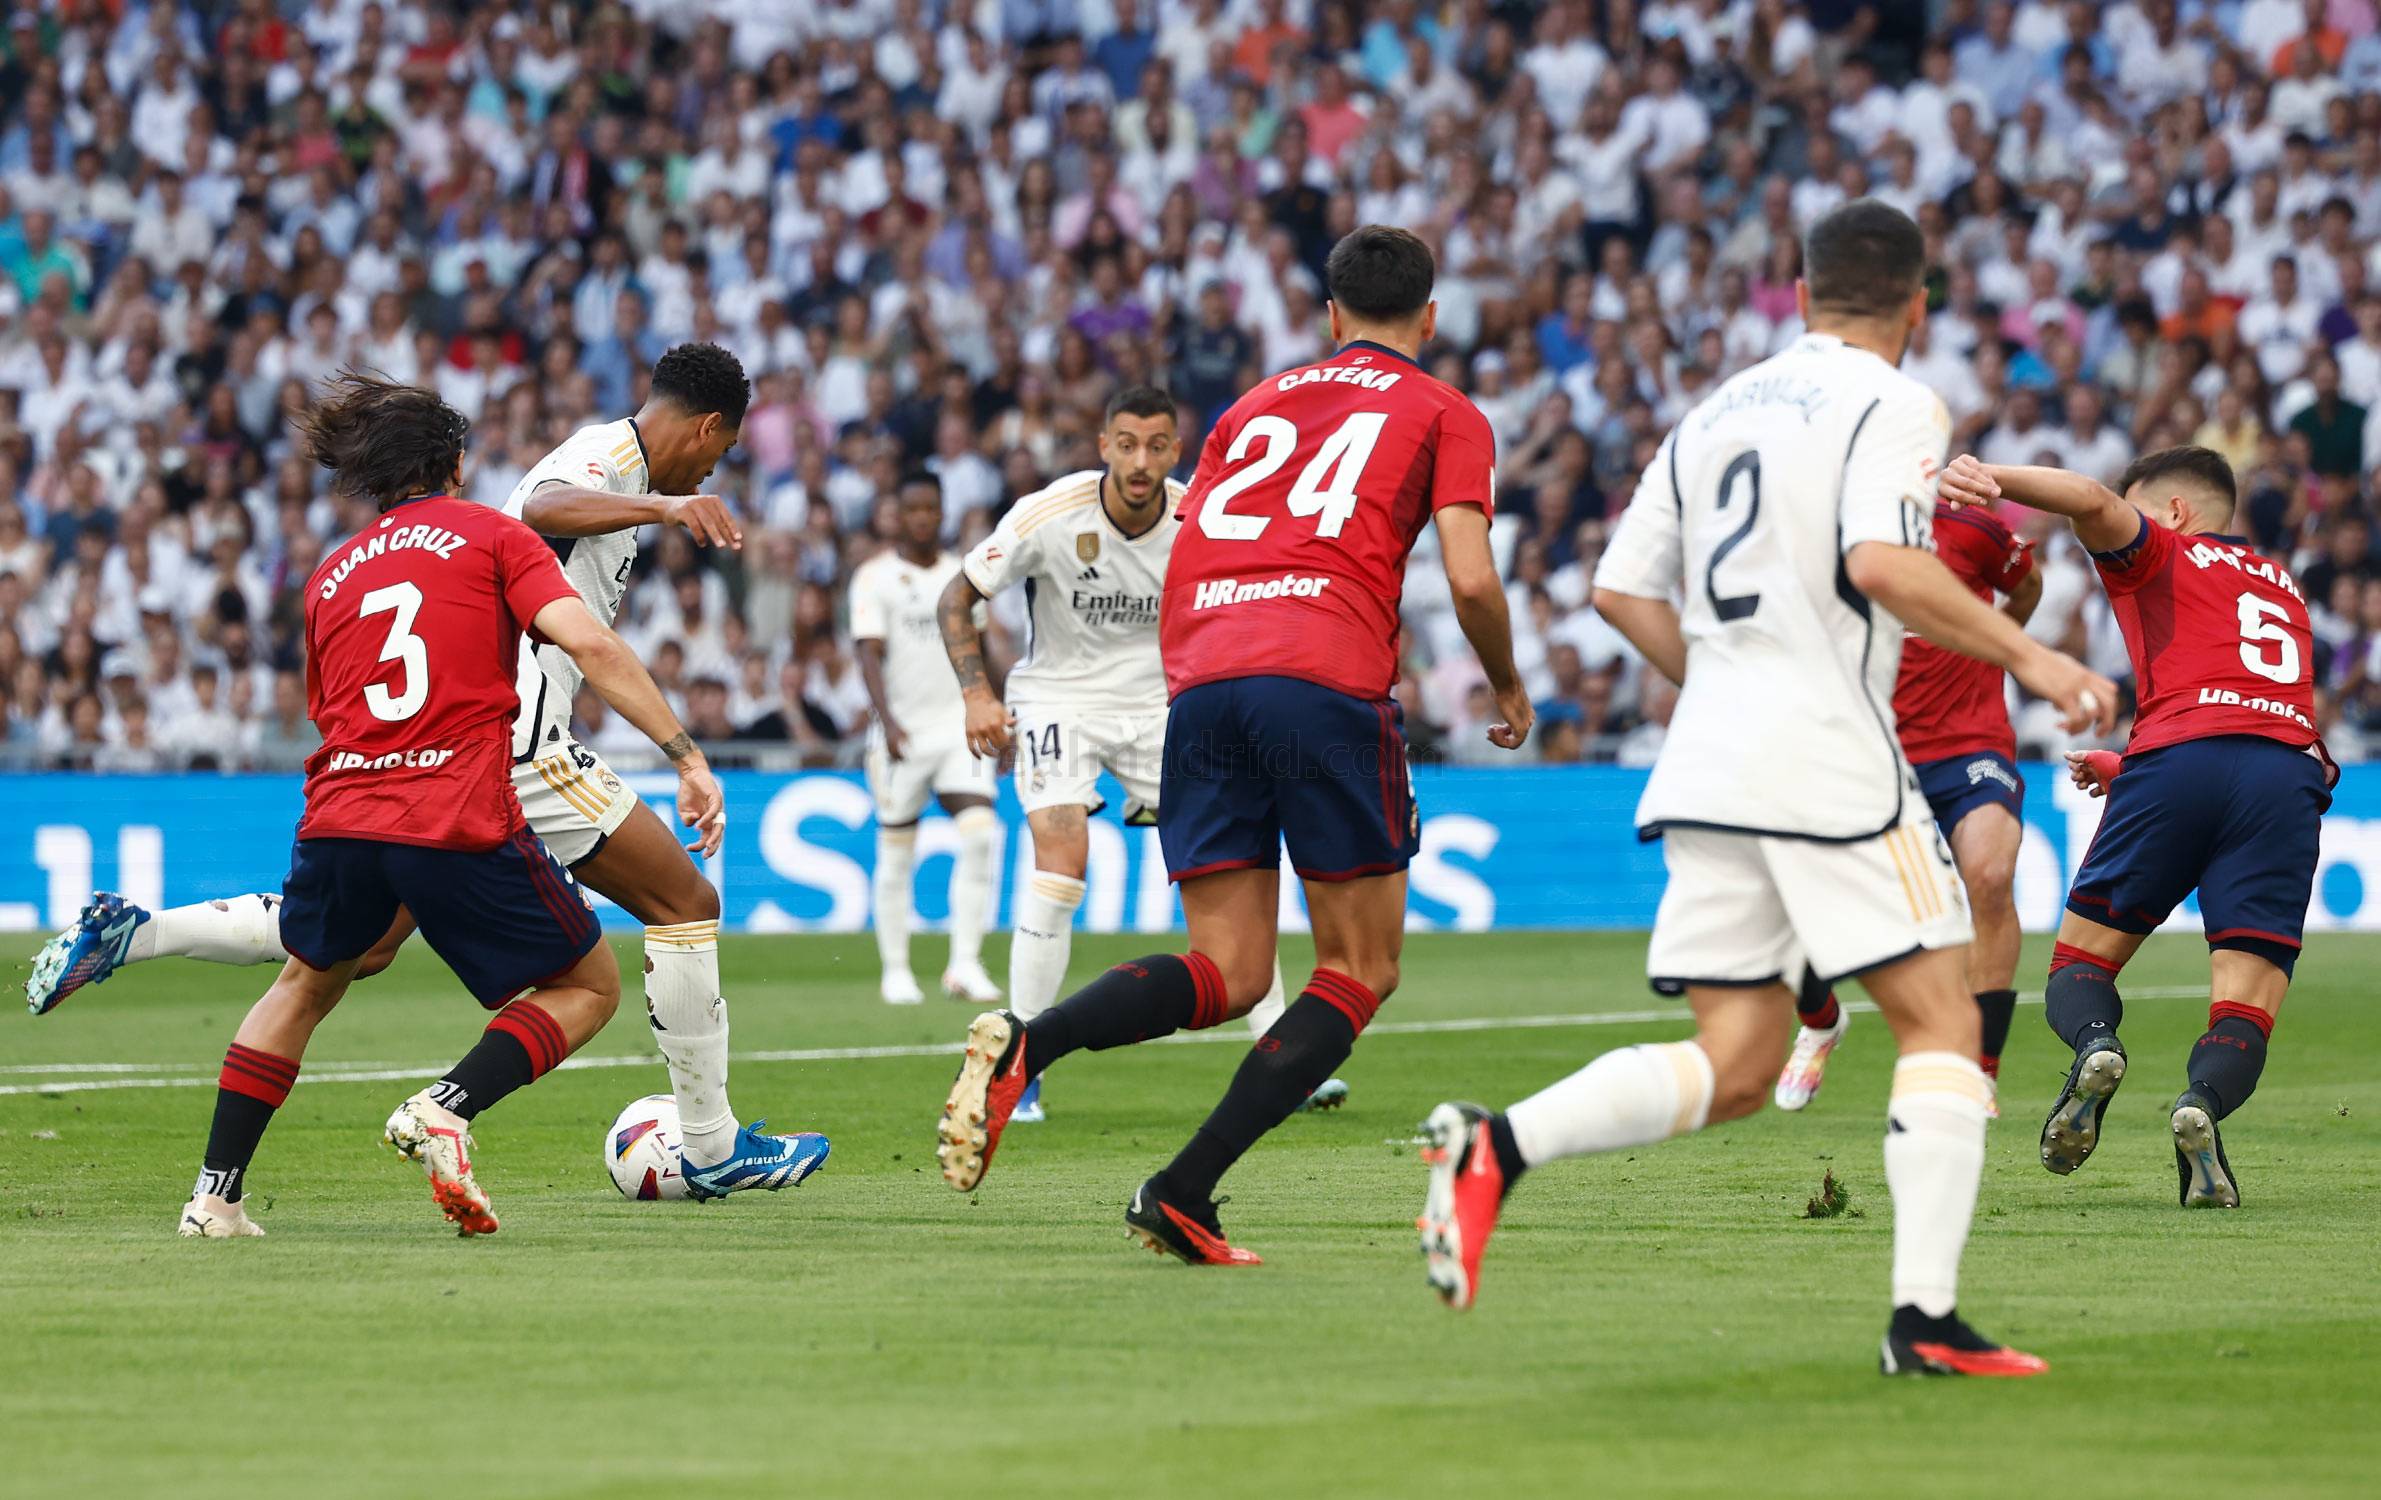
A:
[942,235]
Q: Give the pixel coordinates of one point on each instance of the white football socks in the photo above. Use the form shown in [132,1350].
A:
[690,1025]
[1045,937]
[896,863]
[1934,1160]
[1632,1097]
[235,930]
[1268,1010]
[971,883]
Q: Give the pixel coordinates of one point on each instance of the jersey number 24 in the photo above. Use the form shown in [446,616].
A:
[1326,488]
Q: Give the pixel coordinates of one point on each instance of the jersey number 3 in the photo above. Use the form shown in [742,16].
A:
[402,601]
[1326,488]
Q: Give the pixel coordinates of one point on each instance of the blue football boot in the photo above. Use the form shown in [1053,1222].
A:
[85,953]
[760,1160]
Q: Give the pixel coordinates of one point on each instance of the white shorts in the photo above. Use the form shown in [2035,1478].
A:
[1061,752]
[573,800]
[902,786]
[1741,909]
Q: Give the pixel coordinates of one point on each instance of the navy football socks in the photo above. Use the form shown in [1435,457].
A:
[2081,1002]
[2229,1056]
[1137,1001]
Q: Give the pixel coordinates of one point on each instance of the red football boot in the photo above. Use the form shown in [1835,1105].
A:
[991,1080]
[1916,1344]
[1467,1188]
[1188,1231]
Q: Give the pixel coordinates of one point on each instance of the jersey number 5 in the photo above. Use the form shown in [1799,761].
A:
[2257,630]
[403,601]
[1326,487]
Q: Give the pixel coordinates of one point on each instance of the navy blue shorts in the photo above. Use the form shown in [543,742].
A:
[1254,762]
[504,919]
[2237,816]
[1957,785]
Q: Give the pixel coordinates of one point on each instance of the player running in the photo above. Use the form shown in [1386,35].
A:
[588,496]
[2224,786]
[1953,718]
[1790,505]
[1091,550]
[413,632]
[918,746]
[1279,630]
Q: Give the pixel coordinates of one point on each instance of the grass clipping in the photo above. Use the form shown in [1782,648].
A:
[1831,1202]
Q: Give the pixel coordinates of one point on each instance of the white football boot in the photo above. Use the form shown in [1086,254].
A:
[1806,1066]
[207,1217]
[900,987]
[969,982]
[429,1133]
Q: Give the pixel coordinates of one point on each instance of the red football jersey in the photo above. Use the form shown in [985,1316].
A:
[1946,704]
[1309,494]
[2218,637]
[413,639]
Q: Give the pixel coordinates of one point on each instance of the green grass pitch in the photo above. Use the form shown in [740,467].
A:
[1659,1322]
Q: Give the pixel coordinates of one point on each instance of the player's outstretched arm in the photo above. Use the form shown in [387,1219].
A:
[1650,625]
[622,681]
[1479,596]
[2102,520]
[570,510]
[1919,591]
[989,723]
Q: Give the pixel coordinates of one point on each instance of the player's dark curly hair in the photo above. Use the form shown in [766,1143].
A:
[699,378]
[1380,273]
[1138,401]
[384,441]
[1863,259]
[2202,467]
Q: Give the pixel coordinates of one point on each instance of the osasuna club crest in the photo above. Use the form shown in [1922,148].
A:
[1087,546]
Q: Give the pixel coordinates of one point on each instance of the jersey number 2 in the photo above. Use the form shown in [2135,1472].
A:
[1748,468]
[2256,629]
[1326,487]
[403,601]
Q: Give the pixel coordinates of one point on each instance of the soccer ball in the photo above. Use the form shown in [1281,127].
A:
[641,1150]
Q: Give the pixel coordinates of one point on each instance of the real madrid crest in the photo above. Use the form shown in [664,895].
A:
[1087,546]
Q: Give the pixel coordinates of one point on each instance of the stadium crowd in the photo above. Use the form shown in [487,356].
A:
[939,234]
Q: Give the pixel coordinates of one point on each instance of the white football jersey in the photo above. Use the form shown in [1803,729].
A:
[1091,596]
[1785,725]
[609,457]
[893,600]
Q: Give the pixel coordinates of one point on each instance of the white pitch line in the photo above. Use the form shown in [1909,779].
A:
[394,1072]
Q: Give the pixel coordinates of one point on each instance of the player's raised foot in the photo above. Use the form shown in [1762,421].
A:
[86,953]
[1331,1093]
[207,1217]
[435,1137]
[1185,1228]
[1916,1344]
[969,982]
[1029,1106]
[1806,1065]
[2207,1180]
[1992,1096]
[983,1098]
[900,987]
[760,1162]
[2073,1129]
[1467,1191]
